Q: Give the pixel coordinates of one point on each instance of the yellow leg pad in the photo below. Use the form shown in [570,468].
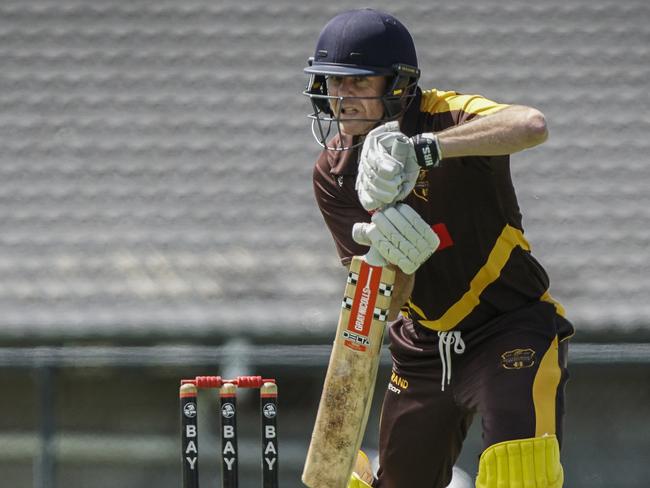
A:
[522,463]
[362,472]
[356,482]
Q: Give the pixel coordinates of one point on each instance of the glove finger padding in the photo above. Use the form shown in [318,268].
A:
[369,235]
[377,184]
[400,236]
[424,229]
[375,195]
[381,174]
[387,169]
[390,251]
[378,143]
[381,164]
[411,239]
[388,129]
[383,190]
[409,256]
[403,151]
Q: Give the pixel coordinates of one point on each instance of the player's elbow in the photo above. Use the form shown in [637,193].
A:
[535,129]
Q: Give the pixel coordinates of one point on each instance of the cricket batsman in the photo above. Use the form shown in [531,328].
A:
[478,332]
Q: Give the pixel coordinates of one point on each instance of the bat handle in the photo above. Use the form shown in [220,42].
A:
[373,258]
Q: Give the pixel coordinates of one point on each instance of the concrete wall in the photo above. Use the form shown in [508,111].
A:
[120,426]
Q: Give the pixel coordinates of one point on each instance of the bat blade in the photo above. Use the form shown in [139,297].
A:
[349,383]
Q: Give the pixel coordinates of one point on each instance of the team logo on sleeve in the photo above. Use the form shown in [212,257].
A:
[518,359]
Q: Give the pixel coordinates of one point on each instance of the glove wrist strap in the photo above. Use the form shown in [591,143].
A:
[427,150]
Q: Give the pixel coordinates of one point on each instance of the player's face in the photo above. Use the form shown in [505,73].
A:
[358,116]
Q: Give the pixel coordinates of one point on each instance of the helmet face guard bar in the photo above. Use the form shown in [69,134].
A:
[395,100]
[324,119]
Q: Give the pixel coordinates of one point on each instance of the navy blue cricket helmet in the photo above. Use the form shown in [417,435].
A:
[362,42]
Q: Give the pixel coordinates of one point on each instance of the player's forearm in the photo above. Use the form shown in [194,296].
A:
[508,131]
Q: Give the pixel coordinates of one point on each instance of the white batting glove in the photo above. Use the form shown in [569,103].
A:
[400,235]
[388,167]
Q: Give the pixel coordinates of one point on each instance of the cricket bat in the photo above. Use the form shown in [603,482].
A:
[350,380]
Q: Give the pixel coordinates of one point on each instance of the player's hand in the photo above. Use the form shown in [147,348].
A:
[388,167]
[400,235]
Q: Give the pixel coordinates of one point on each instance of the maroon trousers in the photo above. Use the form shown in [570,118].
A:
[510,371]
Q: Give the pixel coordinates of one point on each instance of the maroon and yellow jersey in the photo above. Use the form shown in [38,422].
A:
[484,266]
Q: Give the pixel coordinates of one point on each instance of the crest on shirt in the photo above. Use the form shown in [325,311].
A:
[518,359]
[421,188]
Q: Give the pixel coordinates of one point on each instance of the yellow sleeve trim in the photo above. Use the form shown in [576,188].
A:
[434,101]
[509,239]
[559,309]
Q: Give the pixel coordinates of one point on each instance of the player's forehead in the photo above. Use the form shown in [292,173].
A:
[354,77]
[365,81]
